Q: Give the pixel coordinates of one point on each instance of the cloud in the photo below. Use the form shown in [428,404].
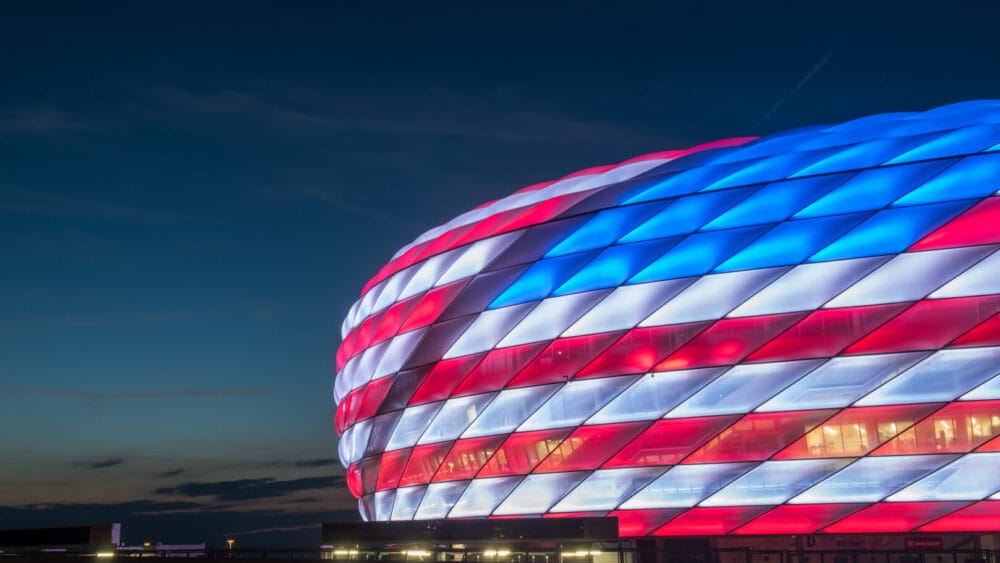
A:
[170,473]
[319,462]
[152,394]
[250,489]
[102,464]
[41,119]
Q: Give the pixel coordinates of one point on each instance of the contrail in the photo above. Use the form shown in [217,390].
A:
[812,72]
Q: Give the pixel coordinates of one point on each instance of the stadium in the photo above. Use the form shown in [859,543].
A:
[792,334]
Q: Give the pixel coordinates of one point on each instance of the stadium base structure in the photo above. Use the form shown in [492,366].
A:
[797,334]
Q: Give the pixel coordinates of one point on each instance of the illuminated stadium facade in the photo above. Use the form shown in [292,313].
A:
[796,334]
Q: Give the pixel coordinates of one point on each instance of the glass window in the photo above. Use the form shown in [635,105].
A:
[651,396]
[626,306]
[711,297]
[522,451]
[686,485]
[729,341]
[466,457]
[607,488]
[909,277]
[590,446]
[841,381]
[407,500]
[956,428]
[438,500]
[871,479]
[743,388]
[454,417]
[774,482]
[981,279]
[668,441]
[551,317]
[966,479]
[488,329]
[537,493]
[510,409]
[942,377]
[482,496]
[575,402]
[640,350]
[758,436]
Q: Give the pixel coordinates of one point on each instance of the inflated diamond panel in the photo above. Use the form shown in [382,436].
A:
[796,334]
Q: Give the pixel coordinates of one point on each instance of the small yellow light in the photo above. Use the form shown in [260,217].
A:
[503,552]
[490,553]
[105,554]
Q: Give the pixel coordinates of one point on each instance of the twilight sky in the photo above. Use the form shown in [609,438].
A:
[192,194]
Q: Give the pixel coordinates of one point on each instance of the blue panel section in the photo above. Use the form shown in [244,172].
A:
[775,202]
[976,176]
[698,254]
[770,169]
[891,231]
[541,279]
[873,189]
[604,228]
[686,215]
[864,155]
[687,182]
[966,140]
[615,265]
[791,242]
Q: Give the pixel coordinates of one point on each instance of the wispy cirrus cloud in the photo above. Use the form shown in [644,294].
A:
[41,119]
[102,463]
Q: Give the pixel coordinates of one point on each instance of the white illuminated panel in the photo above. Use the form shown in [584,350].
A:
[482,496]
[841,381]
[807,286]
[411,425]
[397,352]
[511,408]
[973,477]
[394,287]
[486,331]
[909,277]
[605,489]
[652,395]
[981,279]
[712,296]
[626,306]
[871,479]
[575,402]
[358,439]
[407,500]
[476,257]
[438,500]
[986,391]
[774,482]
[942,377]
[429,273]
[743,388]
[537,493]
[685,485]
[383,504]
[551,317]
[454,417]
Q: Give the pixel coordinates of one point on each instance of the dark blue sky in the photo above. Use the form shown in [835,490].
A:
[192,194]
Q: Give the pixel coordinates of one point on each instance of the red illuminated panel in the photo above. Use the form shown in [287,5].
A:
[346,349]
[991,446]
[590,446]
[354,480]
[405,260]
[497,368]
[640,349]
[796,519]
[466,457]
[545,210]
[986,334]
[391,469]
[713,521]
[667,441]
[369,473]
[394,317]
[756,437]
[563,358]
[983,516]
[892,517]
[928,325]
[447,241]
[728,341]
[347,410]
[826,332]
[366,331]
[956,428]
[488,226]
[432,305]
[590,514]
[979,225]
[443,379]
[634,523]
[856,431]
[424,462]
[375,393]
[522,452]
